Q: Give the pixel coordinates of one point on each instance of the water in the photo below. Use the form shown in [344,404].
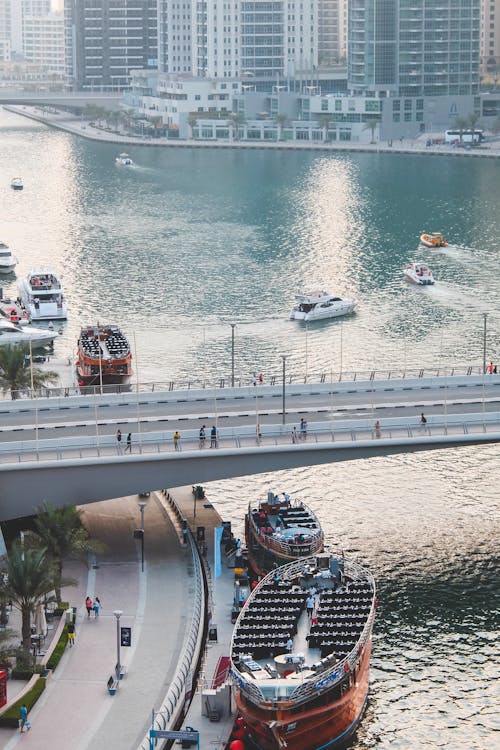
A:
[186,242]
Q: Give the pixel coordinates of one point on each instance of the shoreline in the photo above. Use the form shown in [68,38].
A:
[72,124]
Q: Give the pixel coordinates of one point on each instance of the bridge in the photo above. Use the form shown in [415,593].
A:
[64,100]
[65,449]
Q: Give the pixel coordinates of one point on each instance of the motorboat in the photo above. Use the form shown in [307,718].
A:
[13,311]
[12,334]
[103,356]
[124,160]
[278,530]
[8,260]
[300,654]
[419,273]
[17,183]
[42,296]
[318,305]
[433,239]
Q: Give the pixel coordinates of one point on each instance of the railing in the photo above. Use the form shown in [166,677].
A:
[395,373]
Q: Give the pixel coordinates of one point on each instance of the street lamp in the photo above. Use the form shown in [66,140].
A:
[283,357]
[142,505]
[485,316]
[233,326]
[118,613]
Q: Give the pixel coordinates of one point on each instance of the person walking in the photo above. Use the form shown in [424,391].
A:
[213,437]
[377,429]
[294,435]
[202,436]
[71,634]
[23,718]
[309,605]
[490,368]
[96,606]
[88,606]
[177,437]
[128,447]
[303,429]
[119,442]
[261,379]
[423,423]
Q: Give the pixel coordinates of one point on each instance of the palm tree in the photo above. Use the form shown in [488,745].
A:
[16,376]
[324,122]
[281,120]
[235,120]
[192,122]
[29,576]
[372,124]
[61,533]
[461,124]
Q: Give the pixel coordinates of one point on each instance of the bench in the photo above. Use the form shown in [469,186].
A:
[112,685]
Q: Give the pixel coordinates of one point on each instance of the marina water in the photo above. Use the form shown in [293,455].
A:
[185,242]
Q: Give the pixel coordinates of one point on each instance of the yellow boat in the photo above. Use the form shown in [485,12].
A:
[433,239]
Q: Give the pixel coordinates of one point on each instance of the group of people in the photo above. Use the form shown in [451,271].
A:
[128,444]
[92,606]
[492,369]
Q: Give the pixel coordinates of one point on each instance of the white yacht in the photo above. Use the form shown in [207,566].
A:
[418,273]
[8,261]
[42,295]
[318,305]
[12,334]
[17,183]
[124,160]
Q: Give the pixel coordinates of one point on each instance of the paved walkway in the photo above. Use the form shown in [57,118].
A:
[76,710]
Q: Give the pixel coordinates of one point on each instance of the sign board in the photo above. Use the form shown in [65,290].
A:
[166,734]
[126,636]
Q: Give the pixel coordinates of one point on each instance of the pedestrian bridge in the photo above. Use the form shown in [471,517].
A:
[84,470]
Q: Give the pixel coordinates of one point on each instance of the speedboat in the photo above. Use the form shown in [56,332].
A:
[16,183]
[300,654]
[318,305]
[13,311]
[419,273]
[12,334]
[124,160]
[8,261]
[103,356]
[42,296]
[433,239]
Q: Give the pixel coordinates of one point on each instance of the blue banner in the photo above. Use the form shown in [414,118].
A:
[217,556]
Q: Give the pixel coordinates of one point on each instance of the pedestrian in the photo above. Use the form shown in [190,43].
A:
[96,606]
[202,436]
[303,428]
[377,429]
[309,605]
[294,435]
[261,379]
[71,633]
[254,381]
[423,423]
[213,437]
[177,437]
[128,447]
[88,606]
[23,718]
[289,645]
[495,370]
[490,368]
[119,441]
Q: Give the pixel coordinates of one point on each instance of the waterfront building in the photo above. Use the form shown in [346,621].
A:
[332,32]
[106,39]
[490,36]
[43,42]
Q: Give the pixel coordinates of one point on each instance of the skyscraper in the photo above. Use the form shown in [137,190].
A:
[490,35]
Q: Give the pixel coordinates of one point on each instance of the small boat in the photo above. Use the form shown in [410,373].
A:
[419,273]
[8,261]
[278,530]
[14,335]
[124,160]
[17,183]
[42,296]
[300,654]
[103,356]
[434,239]
[14,312]
[318,305]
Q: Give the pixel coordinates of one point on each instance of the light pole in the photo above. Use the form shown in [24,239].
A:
[306,352]
[118,613]
[233,326]
[283,357]
[142,505]
[485,316]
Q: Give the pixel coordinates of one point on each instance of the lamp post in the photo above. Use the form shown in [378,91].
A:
[118,613]
[142,505]
[233,326]
[283,357]
[485,316]
[306,352]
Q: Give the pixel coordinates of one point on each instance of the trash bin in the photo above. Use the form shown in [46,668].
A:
[69,615]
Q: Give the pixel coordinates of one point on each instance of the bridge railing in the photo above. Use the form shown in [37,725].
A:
[321,433]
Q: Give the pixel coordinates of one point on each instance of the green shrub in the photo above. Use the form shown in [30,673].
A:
[22,673]
[11,717]
[61,609]
[57,653]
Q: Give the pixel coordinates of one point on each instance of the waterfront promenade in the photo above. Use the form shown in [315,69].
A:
[76,710]
[76,125]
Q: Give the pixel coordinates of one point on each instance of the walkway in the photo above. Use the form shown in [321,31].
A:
[76,710]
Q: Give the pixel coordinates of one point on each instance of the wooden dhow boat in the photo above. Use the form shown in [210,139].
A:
[103,356]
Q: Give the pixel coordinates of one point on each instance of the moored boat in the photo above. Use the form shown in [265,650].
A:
[42,296]
[124,160]
[300,654]
[8,260]
[12,334]
[13,311]
[103,356]
[278,531]
[433,239]
[418,273]
[319,305]
[17,183]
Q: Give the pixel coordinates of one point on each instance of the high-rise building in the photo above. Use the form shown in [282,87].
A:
[43,42]
[490,35]
[105,39]
[413,47]
[332,26]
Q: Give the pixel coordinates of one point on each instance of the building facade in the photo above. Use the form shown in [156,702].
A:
[490,36]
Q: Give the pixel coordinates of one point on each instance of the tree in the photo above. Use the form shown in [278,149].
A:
[29,577]
[461,124]
[16,376]
[324,122]
[473,119]
[61,533]
[235,120]
[192,122]
[281,120]
[372,124]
